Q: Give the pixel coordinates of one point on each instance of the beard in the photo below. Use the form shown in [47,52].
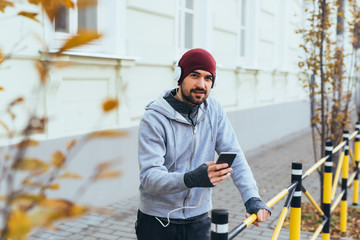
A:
[196,100]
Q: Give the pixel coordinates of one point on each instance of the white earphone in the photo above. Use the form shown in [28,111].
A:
[177,72]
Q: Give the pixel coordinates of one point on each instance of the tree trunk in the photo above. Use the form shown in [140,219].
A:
[322,77]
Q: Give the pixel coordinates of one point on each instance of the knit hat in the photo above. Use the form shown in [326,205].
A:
[194,59]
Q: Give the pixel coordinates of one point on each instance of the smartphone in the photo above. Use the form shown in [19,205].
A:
[226,157]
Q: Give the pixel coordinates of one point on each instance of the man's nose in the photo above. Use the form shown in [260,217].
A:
[201,82]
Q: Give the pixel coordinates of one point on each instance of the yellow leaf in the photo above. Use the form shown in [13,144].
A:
[110,104]
[5,127]
[2,58]
[68,3]
[55,186]
[70,175]
[57,159]
[36,2]
[16,101]
[79,39]
[107,134]
[52,7]
[50,210]
[1,88]
[12,115]
[108,174]
[18,225]
[42,70]
[71,144]
[4,4]
[86,3]
[30,15]
[27,143]
[31,164]
[25,201]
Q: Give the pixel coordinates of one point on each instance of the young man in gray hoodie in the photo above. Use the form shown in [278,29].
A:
[178,137]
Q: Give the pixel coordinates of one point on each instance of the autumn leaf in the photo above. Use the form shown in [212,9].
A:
[50,210]
[36,2]
[4,4]
[30,15]
[108,174]
[27,143]
[110,104]
[42,70]
[57,159]
[31,164]
[86,3]
[70,175]
[71,144]
[1,88]
[16,101]
[105,170]
[26,200]
[52,7]
[79,39]
[55,186]
[1,57]
[107,134]
[5,127]
[18,225]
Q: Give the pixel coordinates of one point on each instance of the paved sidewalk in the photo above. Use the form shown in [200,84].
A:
[271,165]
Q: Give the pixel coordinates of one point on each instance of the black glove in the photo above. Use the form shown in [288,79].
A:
[253,205]
[198,177]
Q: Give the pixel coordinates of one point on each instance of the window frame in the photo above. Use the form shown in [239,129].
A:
[56,39]
[243,41]
[181,11]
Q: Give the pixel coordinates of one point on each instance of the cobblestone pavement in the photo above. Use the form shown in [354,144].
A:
[271,165]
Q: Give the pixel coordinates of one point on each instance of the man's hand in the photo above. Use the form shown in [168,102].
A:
[218,172]
[262,216]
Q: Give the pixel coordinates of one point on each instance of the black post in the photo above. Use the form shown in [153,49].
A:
[295,210]
[219,224]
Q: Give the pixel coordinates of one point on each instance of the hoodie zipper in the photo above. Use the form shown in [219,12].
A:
[192,155]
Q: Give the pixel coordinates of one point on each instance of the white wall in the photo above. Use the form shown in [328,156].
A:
[136,65]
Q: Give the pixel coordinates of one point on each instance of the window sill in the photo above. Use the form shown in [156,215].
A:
[93,55]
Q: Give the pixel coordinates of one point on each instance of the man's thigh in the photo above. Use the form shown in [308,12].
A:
[149,228]
[199,230]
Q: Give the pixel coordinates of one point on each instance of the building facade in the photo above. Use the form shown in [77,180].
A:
[253,41]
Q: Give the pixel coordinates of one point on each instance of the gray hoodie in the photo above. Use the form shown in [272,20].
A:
[169,146]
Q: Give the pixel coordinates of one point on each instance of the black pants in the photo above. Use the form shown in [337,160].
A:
[148,228]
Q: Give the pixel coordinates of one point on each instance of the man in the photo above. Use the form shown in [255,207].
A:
[178,137]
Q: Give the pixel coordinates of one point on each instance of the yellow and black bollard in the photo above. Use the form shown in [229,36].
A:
[295,210]
[356,167]
[327,190]
[345,175]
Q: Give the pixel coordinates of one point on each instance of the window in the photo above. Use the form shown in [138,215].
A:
[186,24]
[85,16]
[242,29]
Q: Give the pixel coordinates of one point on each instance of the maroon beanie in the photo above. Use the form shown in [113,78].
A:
[197,59]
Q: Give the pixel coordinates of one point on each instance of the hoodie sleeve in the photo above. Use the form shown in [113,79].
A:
[154,176]
[226,141]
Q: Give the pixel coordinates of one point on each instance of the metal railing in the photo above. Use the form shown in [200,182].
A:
[219,217]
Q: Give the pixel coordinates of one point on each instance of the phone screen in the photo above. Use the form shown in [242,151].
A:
[226,157]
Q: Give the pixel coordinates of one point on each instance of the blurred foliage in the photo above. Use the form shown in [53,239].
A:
[26,207]
[329,73]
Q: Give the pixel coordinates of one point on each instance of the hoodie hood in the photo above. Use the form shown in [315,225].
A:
[161,106]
